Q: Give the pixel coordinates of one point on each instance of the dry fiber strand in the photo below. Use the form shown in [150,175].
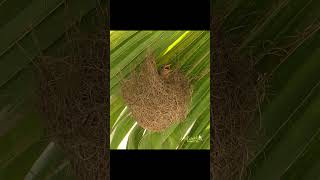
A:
[156,99]
[73,102]
[238,91]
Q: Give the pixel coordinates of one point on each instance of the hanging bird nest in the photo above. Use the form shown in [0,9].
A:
[156,99]
[239,90]
[73,102]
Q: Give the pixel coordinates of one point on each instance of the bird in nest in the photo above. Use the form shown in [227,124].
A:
[165,71]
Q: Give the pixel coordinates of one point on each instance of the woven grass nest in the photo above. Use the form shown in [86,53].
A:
[156,99]
[239,90]
[73,103]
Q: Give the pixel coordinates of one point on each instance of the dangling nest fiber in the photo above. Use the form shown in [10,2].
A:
[156,99]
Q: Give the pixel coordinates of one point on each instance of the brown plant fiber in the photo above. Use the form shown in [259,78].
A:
[239,89]
[73,100]
[156,99]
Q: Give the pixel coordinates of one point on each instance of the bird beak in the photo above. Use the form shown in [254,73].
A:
[167,67]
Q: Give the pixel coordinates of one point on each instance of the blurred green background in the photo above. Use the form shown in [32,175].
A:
[29,28]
